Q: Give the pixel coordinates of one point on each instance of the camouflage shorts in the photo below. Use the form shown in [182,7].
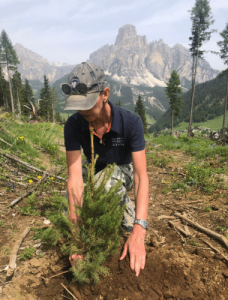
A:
[125,174]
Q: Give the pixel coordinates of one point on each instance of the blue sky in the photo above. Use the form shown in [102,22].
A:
[68,31]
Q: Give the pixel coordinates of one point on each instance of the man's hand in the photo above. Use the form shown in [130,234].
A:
[136,248]
[73,217]
[74,258]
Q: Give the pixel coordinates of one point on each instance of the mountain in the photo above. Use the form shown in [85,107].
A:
[208,104]
[132,60]
[33,66]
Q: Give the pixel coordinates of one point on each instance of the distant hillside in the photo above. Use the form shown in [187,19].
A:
[208,104]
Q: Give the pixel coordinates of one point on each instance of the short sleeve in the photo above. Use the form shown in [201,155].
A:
[137,141]
[72,135]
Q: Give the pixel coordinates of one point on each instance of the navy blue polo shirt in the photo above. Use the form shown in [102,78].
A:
[125,136]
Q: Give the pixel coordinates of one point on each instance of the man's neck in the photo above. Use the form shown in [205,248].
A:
[105,116]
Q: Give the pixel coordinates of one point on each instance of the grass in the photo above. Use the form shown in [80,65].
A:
[27,253]
[159,161]
[202,173]
[32,142]
[150,119]
[214,125]
[198,147]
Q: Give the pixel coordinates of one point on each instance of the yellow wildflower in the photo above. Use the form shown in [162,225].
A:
[52,178]
[39,177]
[30,181]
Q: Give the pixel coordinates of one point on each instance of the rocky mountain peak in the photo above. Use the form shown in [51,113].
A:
[133,61]
[125,32]
[33,66]
[23,52]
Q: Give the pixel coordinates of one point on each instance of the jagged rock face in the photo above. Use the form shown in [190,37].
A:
[33,66]
[133,61]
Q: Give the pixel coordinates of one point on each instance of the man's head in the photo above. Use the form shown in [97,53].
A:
[85,83]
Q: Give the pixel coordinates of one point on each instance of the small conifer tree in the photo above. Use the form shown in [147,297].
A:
[140,110]
[97,235]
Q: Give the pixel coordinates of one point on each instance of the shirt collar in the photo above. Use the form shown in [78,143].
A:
[115,120]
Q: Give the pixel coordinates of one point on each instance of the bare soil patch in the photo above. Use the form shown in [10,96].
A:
[177,267]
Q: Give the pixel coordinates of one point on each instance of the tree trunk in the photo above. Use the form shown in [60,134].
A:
[172,123]
[194,69]
[53,112]
[10,87]
[19,103]
[225,106]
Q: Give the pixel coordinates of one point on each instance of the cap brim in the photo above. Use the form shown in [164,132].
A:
[81,102]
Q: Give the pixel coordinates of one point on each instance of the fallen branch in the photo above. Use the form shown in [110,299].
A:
[29,192]
[57,275]
[166,217]
[186,233]
[209,232]
[175,228]
[6,143]
[214,249]
[13,254]
[167,173]
[69,291]
[30,166]
[189,202]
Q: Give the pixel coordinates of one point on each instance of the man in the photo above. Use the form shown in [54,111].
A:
[119,138]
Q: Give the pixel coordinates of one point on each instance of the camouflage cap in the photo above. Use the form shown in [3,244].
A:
[90,75]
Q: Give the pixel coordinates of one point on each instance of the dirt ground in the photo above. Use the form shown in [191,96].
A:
[177,267]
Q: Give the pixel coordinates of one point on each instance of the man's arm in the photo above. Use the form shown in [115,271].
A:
[75,182]
[135,242]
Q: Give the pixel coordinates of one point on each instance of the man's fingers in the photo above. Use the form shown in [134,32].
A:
[132,261]
[124,252]
[139,264]
[73,258]
[143,262]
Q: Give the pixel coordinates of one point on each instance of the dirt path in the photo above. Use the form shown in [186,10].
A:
[177,267]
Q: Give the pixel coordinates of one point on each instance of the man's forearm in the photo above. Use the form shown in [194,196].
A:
[75,197]
[141,197]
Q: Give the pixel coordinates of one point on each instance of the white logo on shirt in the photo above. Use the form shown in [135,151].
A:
[117,141]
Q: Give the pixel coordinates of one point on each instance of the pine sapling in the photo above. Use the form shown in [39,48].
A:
[96,235]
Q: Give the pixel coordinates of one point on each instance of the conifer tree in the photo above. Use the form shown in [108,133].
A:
[9,59]
[97,235]
[140,110]
[173,92]
[17,89]
[202,19]
[28,96]
[118,103]
[45,102]
[4,90]
[224,55]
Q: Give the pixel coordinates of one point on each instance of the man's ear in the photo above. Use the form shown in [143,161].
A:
[105,93]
